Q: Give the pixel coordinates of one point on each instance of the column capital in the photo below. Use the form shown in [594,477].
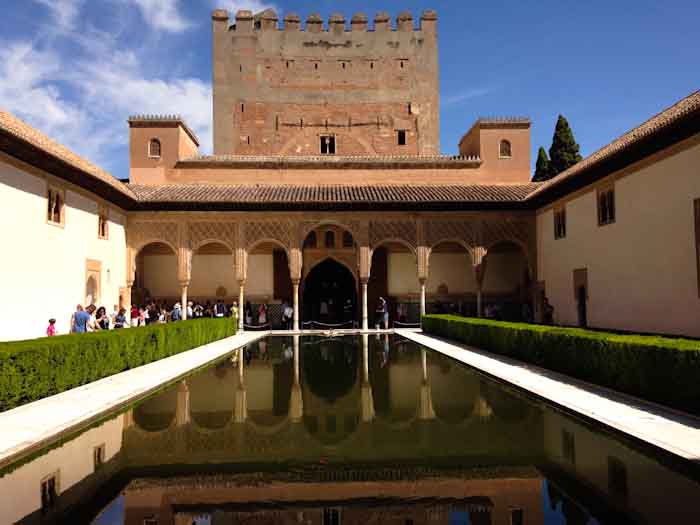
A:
[184,283]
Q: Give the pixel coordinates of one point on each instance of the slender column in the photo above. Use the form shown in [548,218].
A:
[241,307]
[296,360]
[365,324]
[127,302]
[422,297]
[295,293]
[184,285]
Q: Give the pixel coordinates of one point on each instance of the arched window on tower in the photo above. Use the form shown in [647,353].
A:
[154,149]
[330,239]
[504,150]
[347,240]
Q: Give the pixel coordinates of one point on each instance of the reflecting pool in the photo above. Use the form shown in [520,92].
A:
[351,430]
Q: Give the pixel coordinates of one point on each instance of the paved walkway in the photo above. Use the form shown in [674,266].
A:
[36,424]
[665,428]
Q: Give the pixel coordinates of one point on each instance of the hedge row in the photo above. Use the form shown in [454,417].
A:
[37,368]
[661,369]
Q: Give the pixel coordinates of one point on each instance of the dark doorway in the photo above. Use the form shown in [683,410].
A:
[582,307]
[327,290]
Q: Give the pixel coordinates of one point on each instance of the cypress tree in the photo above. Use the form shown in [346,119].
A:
[542,166]
[564,152]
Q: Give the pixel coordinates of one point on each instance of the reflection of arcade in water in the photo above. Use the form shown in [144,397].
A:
[344,430]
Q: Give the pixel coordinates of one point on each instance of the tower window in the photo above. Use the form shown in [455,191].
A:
[606,206]
[327,145]
[401,137]
[504,150]
[154,149]
[347,240]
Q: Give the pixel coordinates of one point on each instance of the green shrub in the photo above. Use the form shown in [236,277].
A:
[665,370]
[37,368]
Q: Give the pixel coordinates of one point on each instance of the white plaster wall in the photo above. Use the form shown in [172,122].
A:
[21,489]
[454,270]
[642,269]
[208,272]
[402,274]
[42,271]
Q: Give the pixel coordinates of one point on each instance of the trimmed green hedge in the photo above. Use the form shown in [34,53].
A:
[665,370]
[38,368]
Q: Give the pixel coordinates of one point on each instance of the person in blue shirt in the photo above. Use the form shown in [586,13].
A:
[80,320]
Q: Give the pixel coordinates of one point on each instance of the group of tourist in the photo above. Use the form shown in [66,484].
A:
[92,318]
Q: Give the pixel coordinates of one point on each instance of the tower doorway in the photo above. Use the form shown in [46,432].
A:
[330,294]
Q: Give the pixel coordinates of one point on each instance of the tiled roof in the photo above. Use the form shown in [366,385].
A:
[331,161]
[20,129]
[298,196]
[656,124]
[155,120]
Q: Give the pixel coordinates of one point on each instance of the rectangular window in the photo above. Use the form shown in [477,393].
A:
[98,456]
[517,517]
[331,517]
[617,478]
[102,226]
[55,206]
[568,447]
[606,206]
[327,145]
[401,137]
[49,492]
[560,223]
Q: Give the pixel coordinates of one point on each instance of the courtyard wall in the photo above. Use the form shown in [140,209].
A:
[46,265]
[642,269]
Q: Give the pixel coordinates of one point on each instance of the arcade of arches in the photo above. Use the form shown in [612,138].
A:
[333,268]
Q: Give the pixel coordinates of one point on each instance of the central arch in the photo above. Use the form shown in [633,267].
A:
[327,289]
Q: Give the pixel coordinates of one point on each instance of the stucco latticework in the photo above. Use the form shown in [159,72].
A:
[202,232]
[398,231]
[274,231]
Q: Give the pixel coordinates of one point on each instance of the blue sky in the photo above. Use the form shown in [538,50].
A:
[77,68]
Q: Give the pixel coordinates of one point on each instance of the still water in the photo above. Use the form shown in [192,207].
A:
[345,430]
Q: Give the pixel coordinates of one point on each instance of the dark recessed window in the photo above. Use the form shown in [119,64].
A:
[54,211]
[517,517]
[347,240]
[606,206]
[154,148]
[504,150]
[401,136]
[242,108]
[568,447]
[327,145]
[331,517]
[98,456]
[330,239]
[49,493]
[310,241]
[617,478]
[102,226]
[560,223]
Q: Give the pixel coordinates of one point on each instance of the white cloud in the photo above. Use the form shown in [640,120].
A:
[459,98]
[164,15]
[65,11]
[252,5]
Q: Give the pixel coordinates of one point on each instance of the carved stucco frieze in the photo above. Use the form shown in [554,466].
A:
[225,232]
[281,231]
[381,231]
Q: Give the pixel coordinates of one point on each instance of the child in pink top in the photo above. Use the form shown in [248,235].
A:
[51,329]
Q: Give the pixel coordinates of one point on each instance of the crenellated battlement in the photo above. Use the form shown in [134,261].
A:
[245,21]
